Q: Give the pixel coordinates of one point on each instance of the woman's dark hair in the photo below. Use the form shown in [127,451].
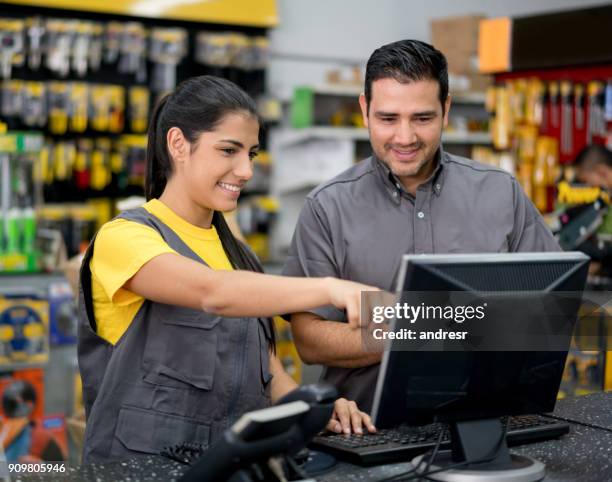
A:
[198,105]
[405,61]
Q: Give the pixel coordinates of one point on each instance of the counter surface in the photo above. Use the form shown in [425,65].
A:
[583,455]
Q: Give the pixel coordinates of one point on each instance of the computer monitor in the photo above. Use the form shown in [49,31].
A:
[467,387]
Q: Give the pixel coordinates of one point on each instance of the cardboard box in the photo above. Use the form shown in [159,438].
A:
[457,39]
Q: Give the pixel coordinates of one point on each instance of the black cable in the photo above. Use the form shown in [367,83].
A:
[296,468]
[577,422]
[433,454]
[425,475]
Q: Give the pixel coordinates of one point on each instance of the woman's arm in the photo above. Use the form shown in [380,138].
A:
[346,417]
[177,280]
[281,383]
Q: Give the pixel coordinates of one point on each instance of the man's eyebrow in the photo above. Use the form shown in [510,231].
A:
[425,113]
[382,113]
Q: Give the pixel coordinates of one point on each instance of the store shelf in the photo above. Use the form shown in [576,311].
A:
[467,138]
[348,90]
[20,142]
[361,134]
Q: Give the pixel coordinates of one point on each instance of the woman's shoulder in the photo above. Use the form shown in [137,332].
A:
[120,233]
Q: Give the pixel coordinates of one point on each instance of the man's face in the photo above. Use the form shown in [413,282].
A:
[405,121]
[598,176]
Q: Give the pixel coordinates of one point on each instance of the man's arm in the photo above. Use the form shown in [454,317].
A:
[330,343]
[530,232]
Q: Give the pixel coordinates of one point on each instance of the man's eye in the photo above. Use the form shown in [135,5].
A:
[424,120]
[387,119]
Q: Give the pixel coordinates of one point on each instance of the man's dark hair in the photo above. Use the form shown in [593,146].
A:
[593,155]
[407,61]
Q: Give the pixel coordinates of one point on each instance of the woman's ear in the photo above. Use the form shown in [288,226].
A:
[178,146]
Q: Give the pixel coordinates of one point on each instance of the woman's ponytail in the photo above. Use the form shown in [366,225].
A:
[158,165]
[242,257]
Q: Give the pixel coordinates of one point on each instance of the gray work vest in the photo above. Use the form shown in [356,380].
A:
[176,375]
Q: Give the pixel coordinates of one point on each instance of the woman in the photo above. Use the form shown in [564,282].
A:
[174,345]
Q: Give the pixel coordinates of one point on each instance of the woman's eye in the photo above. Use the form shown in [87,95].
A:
[253,155]
[229,150]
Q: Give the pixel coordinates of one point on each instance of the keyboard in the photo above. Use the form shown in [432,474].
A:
[404,443]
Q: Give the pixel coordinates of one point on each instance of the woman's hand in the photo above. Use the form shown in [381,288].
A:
[348,418]
[347,295]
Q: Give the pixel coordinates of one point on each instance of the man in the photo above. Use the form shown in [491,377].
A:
[593,166]
[409,197]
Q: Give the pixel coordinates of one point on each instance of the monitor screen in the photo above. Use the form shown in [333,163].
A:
[418,387]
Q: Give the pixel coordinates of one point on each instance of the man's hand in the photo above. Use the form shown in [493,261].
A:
[348,418]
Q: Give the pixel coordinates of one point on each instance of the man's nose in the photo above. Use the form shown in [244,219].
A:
[405,133]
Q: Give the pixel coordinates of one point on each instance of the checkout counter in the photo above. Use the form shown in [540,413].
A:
[585,454]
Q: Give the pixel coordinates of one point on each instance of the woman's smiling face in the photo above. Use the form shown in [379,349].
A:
[220,162]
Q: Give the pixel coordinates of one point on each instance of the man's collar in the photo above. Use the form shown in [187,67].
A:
[394,187]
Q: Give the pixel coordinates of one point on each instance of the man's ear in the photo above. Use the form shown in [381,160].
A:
[447,106]
[177,144]
[364,108]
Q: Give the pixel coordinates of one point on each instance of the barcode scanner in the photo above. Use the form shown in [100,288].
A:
[242,452]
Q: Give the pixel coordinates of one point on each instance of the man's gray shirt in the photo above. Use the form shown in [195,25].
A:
[358,225]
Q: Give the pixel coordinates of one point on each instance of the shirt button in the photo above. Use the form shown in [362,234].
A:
[395,194]
[437,187]
[421,214]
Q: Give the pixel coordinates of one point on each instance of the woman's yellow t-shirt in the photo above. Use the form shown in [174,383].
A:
[122,247]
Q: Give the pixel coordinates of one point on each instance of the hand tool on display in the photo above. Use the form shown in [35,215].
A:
[500,124]
[519,104]
[82,163]
[540,176]
[167,49]
[579,106]
[214,49]
[100,164]
[12,98]
[12,43]
[58,46]
[116,112]
[533,100]
[553,98]
[138,98]
[36,31]
[133,51]
[100,104]
[34,105]
[64,157]
[80,47]
[117,168]
[59,101]
[544,100]
[79,97]
[112,42]
[242,57]
[96,45]
[260,53]
[567,125]
[596,118]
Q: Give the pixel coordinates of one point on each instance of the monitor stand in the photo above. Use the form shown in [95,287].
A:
[480,440]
